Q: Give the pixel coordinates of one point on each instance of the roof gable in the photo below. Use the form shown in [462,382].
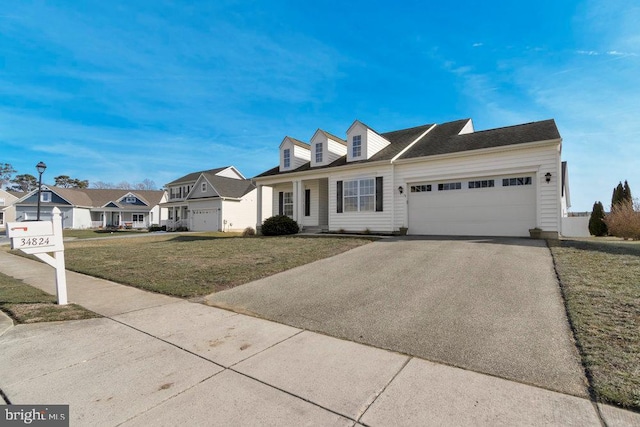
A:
[193,176]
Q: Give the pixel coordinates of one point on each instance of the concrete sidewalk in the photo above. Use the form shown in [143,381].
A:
[162,360]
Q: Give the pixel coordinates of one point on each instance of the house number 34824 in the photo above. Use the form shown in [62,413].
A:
[34,241]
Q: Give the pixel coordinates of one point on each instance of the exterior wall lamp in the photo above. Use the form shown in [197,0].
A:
[40,167]
[401,189]
[547,177]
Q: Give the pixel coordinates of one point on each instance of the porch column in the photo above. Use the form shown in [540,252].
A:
[296,200]
[259,207]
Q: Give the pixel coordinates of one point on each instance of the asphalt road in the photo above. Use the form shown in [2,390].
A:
[488,305]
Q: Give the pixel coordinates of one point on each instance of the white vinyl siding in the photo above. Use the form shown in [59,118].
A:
[533,161]
[360,221]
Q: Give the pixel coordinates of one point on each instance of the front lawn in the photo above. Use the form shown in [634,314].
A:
[93,233]
[600,280]
[26,304]
[198,264]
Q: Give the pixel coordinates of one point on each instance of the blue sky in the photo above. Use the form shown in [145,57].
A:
[122,91]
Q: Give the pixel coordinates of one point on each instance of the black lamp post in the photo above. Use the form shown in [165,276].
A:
[40,167]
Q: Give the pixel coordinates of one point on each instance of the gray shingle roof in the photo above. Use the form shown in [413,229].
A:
[230,187]
[96,197]
[333,137]
[444,139]
[192,177]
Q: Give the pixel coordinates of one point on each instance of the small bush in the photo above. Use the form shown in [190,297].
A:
[182,228]
[279,225]
[248,232]
[597,226]
[624,220]
[156,227]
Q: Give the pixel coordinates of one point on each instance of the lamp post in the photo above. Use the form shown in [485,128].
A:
[40,167]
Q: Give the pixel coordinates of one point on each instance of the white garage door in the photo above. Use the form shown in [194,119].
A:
[205,220]
[496,206]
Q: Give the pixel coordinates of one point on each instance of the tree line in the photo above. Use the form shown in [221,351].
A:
[10,180]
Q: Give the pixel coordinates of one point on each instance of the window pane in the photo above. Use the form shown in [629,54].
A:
[367,203]
[367,187]
[350,188]
[351,204]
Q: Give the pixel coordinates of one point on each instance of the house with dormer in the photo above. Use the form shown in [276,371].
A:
[94,208]
[219,199]
[434,179]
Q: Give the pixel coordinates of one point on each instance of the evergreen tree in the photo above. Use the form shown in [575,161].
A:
[597,226]
[626,192]
[618,195]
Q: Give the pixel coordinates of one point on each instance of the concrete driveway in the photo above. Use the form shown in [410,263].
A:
[487,305]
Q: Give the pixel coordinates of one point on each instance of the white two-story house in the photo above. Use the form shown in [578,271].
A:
[220,199]
[434,179]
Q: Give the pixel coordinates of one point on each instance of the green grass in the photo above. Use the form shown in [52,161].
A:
[198,264]
[600,280]
[90,234]
[26,304]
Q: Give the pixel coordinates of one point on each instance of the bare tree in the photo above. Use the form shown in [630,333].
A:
[6,172]
[123,185]
[102,185]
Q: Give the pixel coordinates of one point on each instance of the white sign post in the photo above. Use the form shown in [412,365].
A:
[38,238]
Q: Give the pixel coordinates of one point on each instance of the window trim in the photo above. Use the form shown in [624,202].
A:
[358,146]
[286,158]
[319,152]
[287,204]
[361,184]
[45,196]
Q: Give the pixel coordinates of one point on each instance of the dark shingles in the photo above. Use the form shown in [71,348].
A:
[444,139]
[438,142]
[192,177]
[229,187]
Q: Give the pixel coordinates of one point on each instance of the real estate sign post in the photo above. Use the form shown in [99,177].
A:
[39,238]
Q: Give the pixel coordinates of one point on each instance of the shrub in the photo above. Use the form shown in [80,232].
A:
[279,225]
[182,228]
[597,226]
[248,232]
[156,227]
[624,220]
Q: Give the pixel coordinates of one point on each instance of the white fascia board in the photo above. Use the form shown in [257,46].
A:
[316,174]
[466,153]
[412,144]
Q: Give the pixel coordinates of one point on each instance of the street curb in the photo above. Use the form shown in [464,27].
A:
[6,323]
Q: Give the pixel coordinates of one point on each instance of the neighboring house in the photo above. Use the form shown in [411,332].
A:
[7,208]
[442,179]
[94,208]
[219,199]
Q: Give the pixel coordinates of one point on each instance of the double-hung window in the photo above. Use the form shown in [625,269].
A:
[287,157]
[356,146]
[287,203]
[359,195]
[45,196]
[319,152]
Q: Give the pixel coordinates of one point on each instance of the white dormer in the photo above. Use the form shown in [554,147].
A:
[325,148]
[363,142]
[468,128]
[293,154]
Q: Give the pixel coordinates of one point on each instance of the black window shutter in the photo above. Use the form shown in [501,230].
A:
[281,203]
[378,194]
[339,196]
[307,202]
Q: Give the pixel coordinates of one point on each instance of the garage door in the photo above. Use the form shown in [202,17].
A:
[495,206]
[205,220]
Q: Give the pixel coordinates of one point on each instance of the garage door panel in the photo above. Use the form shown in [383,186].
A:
[205,219]
[494,211]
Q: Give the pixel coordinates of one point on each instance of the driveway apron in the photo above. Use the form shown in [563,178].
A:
[491,305]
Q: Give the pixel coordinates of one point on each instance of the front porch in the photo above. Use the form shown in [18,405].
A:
[306,201]
[120,219]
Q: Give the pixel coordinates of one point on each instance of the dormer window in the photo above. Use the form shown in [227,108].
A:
[319,152]
[287,157]
[356,146]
